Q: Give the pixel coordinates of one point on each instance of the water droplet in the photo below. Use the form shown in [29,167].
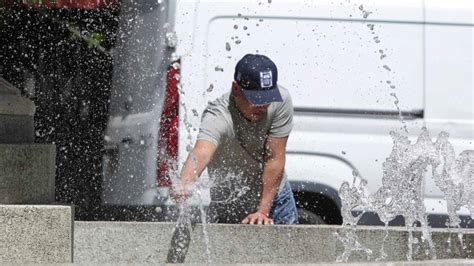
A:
[236,26]
[211,87]
[366,14]
[238,42]
[218,68]
[386,67]
[227,46]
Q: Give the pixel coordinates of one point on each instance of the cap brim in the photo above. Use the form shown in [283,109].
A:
[262,97]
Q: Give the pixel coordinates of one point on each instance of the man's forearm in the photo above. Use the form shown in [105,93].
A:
[271,178]
[191,169]
[197,161]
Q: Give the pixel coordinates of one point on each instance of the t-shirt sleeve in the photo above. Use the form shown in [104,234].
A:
[212,125]
[282,123]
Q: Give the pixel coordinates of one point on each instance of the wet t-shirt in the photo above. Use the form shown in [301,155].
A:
[237,165]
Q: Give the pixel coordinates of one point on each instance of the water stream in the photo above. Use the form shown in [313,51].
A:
[402,191]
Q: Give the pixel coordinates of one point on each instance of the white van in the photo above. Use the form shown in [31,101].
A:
[356,70]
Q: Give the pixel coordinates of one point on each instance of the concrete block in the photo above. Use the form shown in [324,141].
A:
[36,234]
[118,242]
[16,129]
[16,115]
[27,173]
[262,244]
[121,242]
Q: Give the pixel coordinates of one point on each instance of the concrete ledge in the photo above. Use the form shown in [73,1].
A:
[128,242]
[36,234]
[16,105]
[7,89]
[27,173]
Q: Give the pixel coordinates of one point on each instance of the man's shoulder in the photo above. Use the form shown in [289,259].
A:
[286,105]
[219,107]
[219,102]
[214,122]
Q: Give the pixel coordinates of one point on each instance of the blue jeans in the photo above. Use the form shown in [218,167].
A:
[284,207]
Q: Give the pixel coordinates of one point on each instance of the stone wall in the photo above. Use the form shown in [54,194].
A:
[119,242]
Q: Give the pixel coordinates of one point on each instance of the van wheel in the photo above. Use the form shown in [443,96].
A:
[308,217]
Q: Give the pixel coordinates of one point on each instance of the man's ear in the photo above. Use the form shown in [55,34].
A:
[235,88]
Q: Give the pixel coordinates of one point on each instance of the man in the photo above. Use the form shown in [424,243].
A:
[242,141]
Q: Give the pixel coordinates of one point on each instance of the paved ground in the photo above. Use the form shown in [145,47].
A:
[417,263]
[406,263]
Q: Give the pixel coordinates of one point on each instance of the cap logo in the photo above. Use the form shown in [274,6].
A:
[266,79]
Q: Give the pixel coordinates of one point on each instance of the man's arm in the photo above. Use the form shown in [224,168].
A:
[193,167]
[271,178]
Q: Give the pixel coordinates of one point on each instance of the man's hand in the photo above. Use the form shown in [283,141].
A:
[180,192]
[194,165]
[257,218]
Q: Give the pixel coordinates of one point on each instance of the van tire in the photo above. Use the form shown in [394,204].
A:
[308,217]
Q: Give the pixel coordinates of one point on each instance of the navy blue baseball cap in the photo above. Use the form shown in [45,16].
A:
[257,75]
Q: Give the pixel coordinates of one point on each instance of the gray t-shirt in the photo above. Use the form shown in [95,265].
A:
[237,165]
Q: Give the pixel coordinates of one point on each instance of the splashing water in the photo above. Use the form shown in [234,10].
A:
[182,231]
[403,185]
[402,189]
[181,236]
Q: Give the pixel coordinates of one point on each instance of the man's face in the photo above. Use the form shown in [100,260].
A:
[251,112]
